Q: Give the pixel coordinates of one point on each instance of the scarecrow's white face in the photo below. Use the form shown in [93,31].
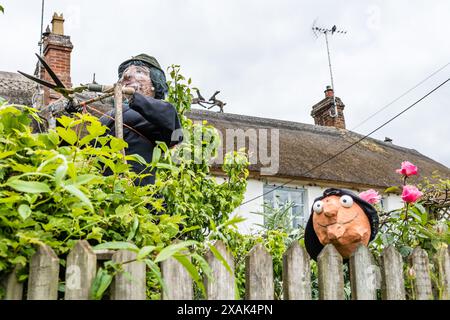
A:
[340,221]
[138,78]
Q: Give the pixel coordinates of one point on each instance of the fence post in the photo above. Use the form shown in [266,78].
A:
[393,284]
[131,283]
[222,286]
[259,274]
[331,277]
[296,273]
[442,260]
[422,281]
[13,288]
[80,271]
[44,275]
[177,280]
[362,275]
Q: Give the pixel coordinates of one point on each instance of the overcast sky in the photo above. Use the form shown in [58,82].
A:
[263,56]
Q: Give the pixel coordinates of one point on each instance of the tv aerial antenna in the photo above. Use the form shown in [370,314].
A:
[317,32]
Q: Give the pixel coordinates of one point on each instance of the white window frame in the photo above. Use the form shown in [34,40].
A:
[290,192]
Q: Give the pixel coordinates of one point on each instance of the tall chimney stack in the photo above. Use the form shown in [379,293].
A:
[57,48]
[322,112]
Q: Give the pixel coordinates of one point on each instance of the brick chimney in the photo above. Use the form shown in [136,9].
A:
[322,112]
[56,49]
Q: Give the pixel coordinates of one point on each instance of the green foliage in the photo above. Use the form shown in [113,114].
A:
[53,191]
[56,194]
[277,234]
[184,175]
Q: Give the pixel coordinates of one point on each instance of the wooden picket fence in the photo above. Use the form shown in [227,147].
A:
[365,275]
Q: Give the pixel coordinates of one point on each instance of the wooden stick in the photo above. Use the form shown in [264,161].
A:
[119,113]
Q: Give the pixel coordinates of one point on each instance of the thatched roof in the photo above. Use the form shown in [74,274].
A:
[16,88]
[303,146]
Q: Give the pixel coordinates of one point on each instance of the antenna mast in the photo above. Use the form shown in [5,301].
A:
[40,92]
[325,31]
[40,37]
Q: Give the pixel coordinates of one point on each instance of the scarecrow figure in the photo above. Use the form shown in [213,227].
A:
[147,118]
[341,218]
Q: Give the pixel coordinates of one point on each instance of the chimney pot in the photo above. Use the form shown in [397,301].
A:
[56,51]
[58,24]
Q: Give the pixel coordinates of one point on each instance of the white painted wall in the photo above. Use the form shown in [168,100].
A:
[393,202]
[255,188]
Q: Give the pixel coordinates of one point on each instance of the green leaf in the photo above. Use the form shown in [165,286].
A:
[167,166]
[2,10]
[186,230]
[170,250]
[233,221]
[117,245]
[145,251]
[60,173]
[27,186]
[156,154]
[85,178]
[53,137]
[136,158]
[101,282]
[133,230]
[86,139]
[6,154]
[96,129]
[157,272]
[65,121]
[117,144]
[420,207]
[80,195]
[19,260]
[192,271]
[163,146]
[219,257]
[203,265]
[24,211]
[392,190]
[67,135]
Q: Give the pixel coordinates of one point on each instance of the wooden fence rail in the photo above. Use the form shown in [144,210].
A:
[366,277]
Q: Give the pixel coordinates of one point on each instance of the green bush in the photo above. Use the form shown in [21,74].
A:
[53,194]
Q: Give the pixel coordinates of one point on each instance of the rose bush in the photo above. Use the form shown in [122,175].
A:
[417,223]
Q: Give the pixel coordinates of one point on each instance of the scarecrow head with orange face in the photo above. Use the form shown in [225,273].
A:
[341,218]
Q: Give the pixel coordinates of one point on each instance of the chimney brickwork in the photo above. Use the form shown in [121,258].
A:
[321,112]
[57,48]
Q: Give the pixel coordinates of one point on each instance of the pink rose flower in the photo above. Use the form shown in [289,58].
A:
[407,169]
[410,194]
[370,196]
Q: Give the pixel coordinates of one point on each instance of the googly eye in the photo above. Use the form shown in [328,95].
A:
[346,201]
[318,207]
